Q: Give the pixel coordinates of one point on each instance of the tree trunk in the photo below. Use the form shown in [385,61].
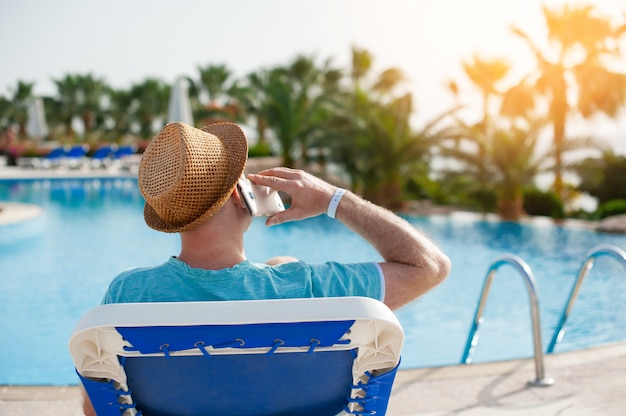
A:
[511,208]
[388,196]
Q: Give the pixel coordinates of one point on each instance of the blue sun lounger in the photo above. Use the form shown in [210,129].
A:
[320,356]
[103,156]
[75,156]
[53,158]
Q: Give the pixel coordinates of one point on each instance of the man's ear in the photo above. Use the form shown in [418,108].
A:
[237,198]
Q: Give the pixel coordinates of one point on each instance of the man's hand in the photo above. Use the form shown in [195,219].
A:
[309,195]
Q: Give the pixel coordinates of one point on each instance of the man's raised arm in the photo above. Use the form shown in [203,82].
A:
[412,265]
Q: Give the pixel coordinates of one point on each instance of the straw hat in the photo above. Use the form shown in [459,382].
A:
[186,175]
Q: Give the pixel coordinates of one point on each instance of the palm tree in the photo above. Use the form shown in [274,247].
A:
[248,95]
[294,101]
[362,61]
[372,137]
[381,152]
[5,112]
[91,92]
[148,106]
[508,156]
[118,113]
[80,96]
[19,106]
[215,82]
[581,41]
[486,74]
[67,102]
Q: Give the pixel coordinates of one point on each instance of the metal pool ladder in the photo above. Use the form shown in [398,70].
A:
[540,380]
[601,250]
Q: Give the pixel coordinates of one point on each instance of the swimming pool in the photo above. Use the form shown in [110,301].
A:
[56,267]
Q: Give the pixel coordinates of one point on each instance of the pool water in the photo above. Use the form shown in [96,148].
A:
[56,267]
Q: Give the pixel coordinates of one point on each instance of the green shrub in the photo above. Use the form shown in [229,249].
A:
[537,202]
[612,207]
[581,214]
[484,200]
[259,150]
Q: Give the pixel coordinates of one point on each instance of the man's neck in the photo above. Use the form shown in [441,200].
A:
[218,243]
[211,249]
[209,259]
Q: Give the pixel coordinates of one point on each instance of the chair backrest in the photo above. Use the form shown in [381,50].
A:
[103,152]
[319,356]
[56,153]
[77,151]
[125,151]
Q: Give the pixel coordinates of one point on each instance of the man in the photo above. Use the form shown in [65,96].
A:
[189,178]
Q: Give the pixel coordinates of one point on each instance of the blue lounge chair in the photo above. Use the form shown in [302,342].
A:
[61,156]
[320,356]
[125,151]
[55,156]
[126,157]
[103,156]
[75,156]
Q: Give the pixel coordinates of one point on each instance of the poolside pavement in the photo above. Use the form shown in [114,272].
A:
[589,382]
[11,212]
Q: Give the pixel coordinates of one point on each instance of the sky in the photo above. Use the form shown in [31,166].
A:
[126,41]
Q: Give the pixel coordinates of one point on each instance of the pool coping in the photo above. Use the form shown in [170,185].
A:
[12,212]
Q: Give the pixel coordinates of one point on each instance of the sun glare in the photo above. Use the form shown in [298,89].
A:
[483,27]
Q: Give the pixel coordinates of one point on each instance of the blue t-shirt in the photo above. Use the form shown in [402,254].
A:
[175,281]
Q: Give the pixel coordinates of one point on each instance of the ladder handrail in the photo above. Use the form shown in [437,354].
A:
[601,250]
[529,279]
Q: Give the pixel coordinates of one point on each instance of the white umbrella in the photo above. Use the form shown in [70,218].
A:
[36,125]
[180,107]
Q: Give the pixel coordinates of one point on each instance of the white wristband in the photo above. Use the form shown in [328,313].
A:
[334,202]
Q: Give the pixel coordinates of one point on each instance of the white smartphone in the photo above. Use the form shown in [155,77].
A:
[260,201]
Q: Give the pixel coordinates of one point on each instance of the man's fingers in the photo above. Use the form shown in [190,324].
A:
[266,180]
[280,172]
[279,218]
[275,178]
[307,193]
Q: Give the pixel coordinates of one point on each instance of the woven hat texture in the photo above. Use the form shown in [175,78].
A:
[186,174]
